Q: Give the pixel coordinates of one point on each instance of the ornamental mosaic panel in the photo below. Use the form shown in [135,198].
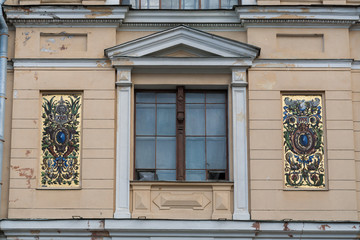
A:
[60,140]
[303,141]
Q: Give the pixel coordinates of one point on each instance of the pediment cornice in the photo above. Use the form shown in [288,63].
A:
[182,37]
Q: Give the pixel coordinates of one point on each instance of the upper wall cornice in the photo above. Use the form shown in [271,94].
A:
[249,16]
[319,12]
[33,15]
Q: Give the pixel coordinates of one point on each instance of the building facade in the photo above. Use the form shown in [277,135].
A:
[177,119]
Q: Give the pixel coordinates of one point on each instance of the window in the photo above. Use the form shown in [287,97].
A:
[181,135]
[181,4]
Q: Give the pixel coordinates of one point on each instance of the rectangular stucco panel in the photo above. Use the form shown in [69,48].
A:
[63,42]
[300,42]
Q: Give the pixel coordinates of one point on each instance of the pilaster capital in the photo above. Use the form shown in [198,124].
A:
[239,77]
[123,76]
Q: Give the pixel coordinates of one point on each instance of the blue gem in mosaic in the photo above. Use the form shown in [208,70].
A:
[60,137]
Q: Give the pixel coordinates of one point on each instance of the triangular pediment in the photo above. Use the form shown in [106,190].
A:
[183,41]
[182,50]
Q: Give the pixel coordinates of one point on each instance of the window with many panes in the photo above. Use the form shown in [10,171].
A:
[181,4]
[181,135]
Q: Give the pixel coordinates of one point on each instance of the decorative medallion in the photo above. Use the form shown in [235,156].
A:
[303,141]
[60,141]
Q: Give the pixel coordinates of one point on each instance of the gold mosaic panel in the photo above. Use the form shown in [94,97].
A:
[303,144]
[60,140]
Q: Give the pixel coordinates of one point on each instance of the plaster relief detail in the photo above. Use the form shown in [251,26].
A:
[124,75]
[222,201]
[140,202]
[166,201]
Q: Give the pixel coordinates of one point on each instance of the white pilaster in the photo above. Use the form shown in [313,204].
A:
[123,83]
[241,182]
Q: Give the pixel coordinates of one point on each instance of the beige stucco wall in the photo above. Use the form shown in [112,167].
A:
[95,199]
[356,115]
[7,137]
[269,200]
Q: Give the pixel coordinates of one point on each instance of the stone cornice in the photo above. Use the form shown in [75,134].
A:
[249,16]
[43,15]
[181,16]
[295,23]
[298,12]
[176,229]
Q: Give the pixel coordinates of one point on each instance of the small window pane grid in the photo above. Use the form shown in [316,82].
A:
[181,4]
[304,163]
[157,142]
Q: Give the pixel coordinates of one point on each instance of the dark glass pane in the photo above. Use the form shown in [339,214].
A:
[166,119]
[166,153]
[147,175]
[216,152]
[195,175]
[216,175]
[145,119]
[195,152]
[145,152]
[166,98]
[195,119]
[145,97]
[215,98]
[215,119]
[166,175]
[194,98]
[125,2]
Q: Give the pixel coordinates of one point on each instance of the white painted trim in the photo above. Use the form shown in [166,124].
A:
[66,12]
[296,23]
[182,16]
[65,24]
[183,35]
[355,65]
[123,229]
[302,63]
[298,12]
[212,63]
[166,62]
[60,63]
[122,191]
[211,27]
[240,157]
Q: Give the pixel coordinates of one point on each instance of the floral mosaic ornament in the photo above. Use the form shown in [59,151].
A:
[303,141]
[60,142]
